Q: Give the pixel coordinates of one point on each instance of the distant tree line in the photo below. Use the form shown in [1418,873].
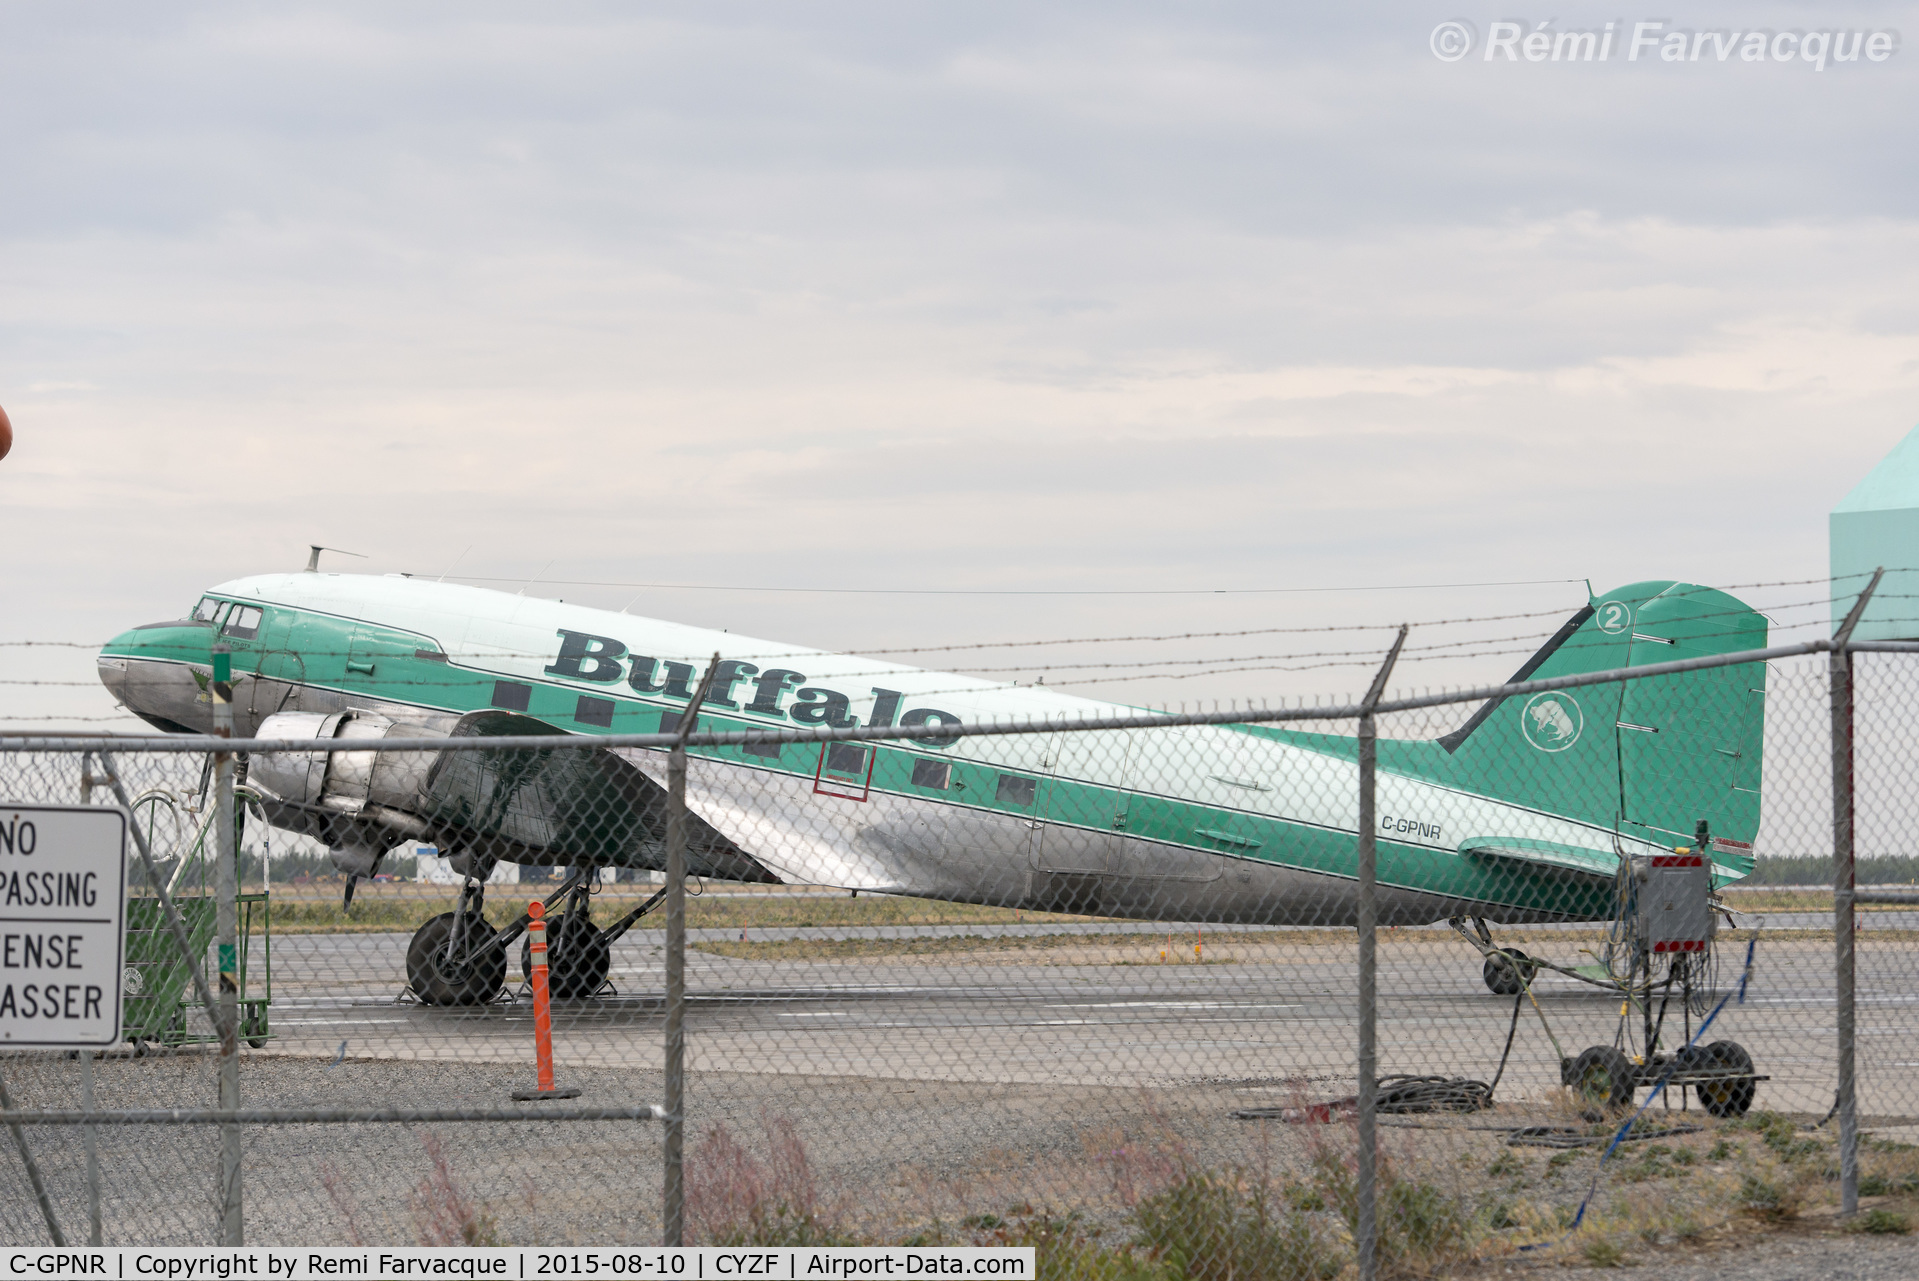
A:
[1815,869]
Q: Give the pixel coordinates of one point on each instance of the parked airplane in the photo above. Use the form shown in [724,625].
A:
[1522,814]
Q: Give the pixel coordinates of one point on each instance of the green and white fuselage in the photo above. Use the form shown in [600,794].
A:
[1521,817]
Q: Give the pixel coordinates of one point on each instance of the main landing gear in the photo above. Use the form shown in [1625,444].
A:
[457,958]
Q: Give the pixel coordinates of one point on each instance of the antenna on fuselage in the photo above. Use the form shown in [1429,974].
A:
[313,557]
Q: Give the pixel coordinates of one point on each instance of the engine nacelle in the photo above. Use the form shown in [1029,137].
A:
[345,782]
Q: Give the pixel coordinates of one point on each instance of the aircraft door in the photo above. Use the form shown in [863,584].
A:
[282,672]
[1082,805]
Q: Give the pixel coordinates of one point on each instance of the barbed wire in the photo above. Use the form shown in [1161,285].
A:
[1173,636]
[1003,591]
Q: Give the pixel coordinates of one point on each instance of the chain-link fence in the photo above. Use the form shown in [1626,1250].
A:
[1272,994]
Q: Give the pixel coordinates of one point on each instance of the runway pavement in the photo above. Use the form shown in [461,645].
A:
[1258,1011]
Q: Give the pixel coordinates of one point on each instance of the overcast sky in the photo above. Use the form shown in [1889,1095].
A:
[992,298]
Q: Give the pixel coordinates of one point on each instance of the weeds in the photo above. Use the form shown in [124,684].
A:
[1214,1227]
[1416,1222]
[340,1191]
[1142,1165]
[442,1212]
[1066,1251]
[1881,1222]
[735,1198]
[1603,1252]
[1769,1200]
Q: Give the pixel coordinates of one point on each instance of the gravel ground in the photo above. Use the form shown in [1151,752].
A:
[1780,1257]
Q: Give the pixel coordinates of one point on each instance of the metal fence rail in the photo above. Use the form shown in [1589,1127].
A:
[1301,987]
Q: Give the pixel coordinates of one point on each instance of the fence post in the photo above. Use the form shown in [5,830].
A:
[226,882]
[673,1209]
[1366,1222]
[1840,671]
[673,1191]
[90,1134]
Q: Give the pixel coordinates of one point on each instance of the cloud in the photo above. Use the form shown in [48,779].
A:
[872,295]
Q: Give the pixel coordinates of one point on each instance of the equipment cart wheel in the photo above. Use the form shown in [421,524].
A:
[1730,1096]
[578,961]
[1602,1079]
[1508,972]
[463,982]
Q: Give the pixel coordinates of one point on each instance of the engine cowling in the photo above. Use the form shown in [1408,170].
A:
[345,782]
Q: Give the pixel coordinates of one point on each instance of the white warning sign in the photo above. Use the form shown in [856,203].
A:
[62,924]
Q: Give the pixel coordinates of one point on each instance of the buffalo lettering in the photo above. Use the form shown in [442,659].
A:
[771,686]
[678,680]
[640,679]
[604,660]
[587,658]
[728,673]
[886,706]
[932,716]
[826,707]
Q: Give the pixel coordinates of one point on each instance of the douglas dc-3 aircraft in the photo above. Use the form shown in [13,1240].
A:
[1523,813]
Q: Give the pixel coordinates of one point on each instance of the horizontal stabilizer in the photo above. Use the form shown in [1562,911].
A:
[1586,864]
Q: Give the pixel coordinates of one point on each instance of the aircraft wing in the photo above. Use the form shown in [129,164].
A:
[571,805]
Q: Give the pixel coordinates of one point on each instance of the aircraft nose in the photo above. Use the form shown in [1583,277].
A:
[158,673]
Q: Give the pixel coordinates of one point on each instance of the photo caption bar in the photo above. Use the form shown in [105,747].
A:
[517,1263]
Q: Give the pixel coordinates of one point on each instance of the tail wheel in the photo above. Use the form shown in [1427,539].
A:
[578,957]
[461,981]
[1729,1096]
[1602,1079]
[1508,972]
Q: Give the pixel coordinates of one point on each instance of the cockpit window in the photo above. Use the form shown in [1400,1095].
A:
[243,623]
[208,610]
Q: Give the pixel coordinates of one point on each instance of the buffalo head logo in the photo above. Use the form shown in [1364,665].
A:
[1551,721]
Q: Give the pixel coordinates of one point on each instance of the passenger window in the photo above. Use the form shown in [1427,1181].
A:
[1014,790]
[930,773]
[208,610]
[846,758]
[765,751]
[243,623]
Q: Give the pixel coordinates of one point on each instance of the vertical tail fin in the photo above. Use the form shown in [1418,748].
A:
[1651,757]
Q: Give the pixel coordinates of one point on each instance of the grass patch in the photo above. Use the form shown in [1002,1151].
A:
[1603,1252]
[829,949]
[406,907]
[1881,1222]
[1213,1226]
[1770,1200]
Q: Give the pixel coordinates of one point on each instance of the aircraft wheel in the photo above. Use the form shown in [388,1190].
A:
[578,957]
[1602,1079]
[436,984]
[1726,1098]
[1508,972]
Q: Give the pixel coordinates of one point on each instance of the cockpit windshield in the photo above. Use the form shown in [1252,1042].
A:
[243,623]
[208,610]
